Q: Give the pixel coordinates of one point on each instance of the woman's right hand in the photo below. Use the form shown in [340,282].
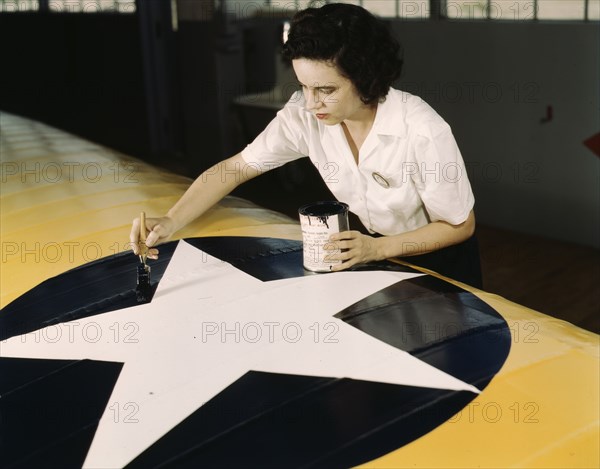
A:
[159,230]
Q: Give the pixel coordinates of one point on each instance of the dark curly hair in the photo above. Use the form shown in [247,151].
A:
[359,44]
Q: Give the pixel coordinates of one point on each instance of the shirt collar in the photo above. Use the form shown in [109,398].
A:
[391,115]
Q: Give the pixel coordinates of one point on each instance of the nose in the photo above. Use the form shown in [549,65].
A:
[313,99]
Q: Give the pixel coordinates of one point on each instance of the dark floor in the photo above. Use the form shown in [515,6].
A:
[556,278]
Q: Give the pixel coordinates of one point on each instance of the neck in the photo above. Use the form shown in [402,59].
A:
[363,120]
[356,130]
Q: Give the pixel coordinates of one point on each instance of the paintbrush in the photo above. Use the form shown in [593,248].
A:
[144,288]
[142,241]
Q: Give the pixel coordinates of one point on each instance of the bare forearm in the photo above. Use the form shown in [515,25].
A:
[431,237]
[353,247]
[200,197]
[209,188]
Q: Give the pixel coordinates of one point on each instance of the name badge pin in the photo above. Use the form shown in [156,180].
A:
[379,179]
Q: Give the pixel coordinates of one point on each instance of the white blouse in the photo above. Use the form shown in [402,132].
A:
[410,171]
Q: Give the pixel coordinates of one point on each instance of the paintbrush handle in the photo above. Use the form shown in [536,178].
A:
[143,227]
[142,242]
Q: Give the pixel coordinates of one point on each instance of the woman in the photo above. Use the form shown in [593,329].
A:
[385,153]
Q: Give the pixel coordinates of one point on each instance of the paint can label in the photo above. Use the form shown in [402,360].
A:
[319,221]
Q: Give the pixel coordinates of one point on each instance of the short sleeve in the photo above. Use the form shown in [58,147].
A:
[440,174]
[282,141]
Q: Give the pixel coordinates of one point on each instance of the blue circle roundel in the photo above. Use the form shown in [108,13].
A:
[241,359]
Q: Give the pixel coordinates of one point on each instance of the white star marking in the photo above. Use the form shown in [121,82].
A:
[207,325]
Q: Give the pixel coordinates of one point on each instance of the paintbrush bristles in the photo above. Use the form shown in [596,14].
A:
[144,287]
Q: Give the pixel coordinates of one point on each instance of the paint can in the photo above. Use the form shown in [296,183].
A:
[320,220]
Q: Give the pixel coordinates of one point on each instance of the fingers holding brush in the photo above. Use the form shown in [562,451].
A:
[137,237]
[156,231]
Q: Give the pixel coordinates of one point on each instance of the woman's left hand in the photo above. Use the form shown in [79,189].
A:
[354,248]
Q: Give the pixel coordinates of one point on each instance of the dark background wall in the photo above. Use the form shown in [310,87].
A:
[83,73]
[133,83]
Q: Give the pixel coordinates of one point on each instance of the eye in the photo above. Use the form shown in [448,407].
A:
[328,90]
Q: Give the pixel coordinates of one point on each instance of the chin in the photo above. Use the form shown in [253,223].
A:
[331,121]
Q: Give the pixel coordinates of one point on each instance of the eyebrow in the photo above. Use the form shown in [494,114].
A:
[324,87]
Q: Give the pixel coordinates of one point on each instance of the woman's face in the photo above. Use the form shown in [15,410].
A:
[331,97]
